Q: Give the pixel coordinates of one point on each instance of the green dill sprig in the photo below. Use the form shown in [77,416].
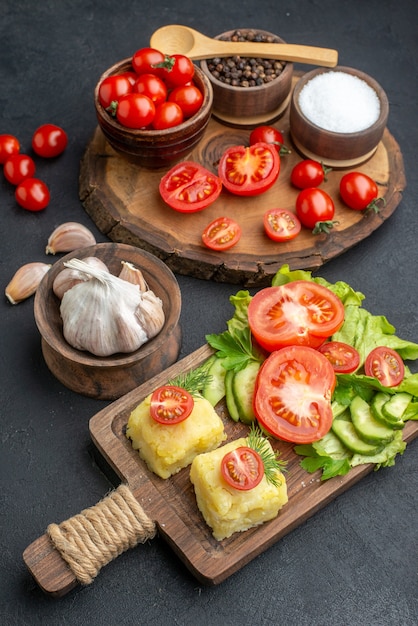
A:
[271,462]
[193,381]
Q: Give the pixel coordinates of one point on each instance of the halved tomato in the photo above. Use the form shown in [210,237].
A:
[221,234]
[242,468]
[386,365]
[249,171]
[297,313]
[281,225]
[171,404]
[189,187]
[343,357]
[293,394]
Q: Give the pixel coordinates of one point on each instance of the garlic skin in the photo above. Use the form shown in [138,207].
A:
[100,315]
[25,281]
[67,278]
[68,237]
[133,275]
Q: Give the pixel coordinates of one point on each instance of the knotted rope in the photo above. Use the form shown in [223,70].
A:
[97,535]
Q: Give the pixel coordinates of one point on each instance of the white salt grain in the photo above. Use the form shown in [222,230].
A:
[339,102]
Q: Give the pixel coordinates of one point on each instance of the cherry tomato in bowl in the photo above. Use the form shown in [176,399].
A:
[301,312]
[308,173]
[358,191]
[189,187]
[152,86]
[134,110]
[114,87]
[32,194]
[242,468]
[343,357]
[271,135]
[281,225]
[147,60]
[49,141]
[293,393]
[221,234]
[9,145]
[315,209]
[249,171]
[386,365]
[171,404]
[167,115]
[188,97]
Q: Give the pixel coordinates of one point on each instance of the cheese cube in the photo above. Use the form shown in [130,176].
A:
[225,509]
[167,448]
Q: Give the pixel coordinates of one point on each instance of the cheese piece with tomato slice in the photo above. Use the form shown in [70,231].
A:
[168,448]
[228,510]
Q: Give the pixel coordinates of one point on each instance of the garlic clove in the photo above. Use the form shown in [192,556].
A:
[67,278]
[68,237]
[150,313]
[26,281]
[133,275]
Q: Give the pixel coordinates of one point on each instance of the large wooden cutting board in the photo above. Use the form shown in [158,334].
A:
[124,202]
[171,503]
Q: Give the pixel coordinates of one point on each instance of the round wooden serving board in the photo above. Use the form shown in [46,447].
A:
[124,202]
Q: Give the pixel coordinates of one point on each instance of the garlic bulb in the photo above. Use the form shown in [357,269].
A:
[133,275]
[25,281]
[104,314]
[67,278]
[68,237]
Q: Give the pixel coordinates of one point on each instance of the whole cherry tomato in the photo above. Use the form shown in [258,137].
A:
[249,171]
[167,115]
[112,88]
[32,194]
[281,225]
[135,110]
[269,134]
[145,60]
[221,234]
[178,70]
[152,86]
[359,191]
[315,209]
[188,97]
[18,167]
[308,173]
[8,145]
[49,141]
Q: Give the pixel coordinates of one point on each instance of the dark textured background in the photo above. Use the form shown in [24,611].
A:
[354,563]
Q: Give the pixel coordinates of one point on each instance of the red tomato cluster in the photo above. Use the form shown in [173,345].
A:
[158,93]
[19,169]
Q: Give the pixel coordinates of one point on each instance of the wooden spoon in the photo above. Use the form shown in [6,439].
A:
[177,39]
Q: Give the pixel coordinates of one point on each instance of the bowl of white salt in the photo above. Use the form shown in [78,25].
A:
[338,116]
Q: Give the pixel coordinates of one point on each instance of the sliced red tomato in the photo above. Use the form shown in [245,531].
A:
[249,171]
[171,404]
[281,225]
[386,365]
[189,187]
[297,313]
[221,234]
[343,357]
[293,394]
[242,468]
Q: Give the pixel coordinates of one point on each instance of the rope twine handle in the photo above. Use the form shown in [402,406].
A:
[99,534]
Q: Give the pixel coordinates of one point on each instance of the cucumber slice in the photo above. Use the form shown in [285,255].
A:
[395,408]
[380,399]
[243,384]
[347,434]
[229,396]
[214,390]
[367,427]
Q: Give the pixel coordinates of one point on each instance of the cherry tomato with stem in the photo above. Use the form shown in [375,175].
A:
[242,468]
[189,187]
[152,86]
[177,70]
[135,110]
[32,194]
[292,399]
[271,135]
[112,88]
[308,173]
[315,209]
[301,312]
[386,365]
[249,171]
[344,358]
[146,60]
[167,115]
[359,192]
[171,405]
[221,234]
[18,167]
[49,141]
[9,145]
[281,225]
[188,97]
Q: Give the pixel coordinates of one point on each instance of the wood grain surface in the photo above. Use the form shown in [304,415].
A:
[124,202]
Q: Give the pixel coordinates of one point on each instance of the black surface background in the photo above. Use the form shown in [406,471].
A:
[355,562]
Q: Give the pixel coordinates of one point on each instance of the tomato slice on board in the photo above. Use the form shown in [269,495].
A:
[386,365]
[293,394]
[171,404]
[242,468]
[189,187]
[343,357]
[221,234]
[297,313]
[281,225]
[249,171]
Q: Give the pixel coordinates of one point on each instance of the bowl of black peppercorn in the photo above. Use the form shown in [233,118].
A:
[249,91]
